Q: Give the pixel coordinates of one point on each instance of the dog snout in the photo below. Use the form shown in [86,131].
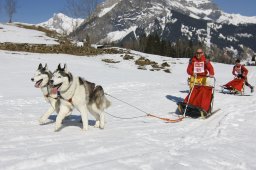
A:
[51,82]
[32,79]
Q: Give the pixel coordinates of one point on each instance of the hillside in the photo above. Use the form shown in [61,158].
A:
[31,38]
[13,34]
[127,23]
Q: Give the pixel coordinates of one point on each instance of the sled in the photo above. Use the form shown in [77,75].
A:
[235,86]
[199,102]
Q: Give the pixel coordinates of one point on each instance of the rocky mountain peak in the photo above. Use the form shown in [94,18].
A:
[122,21]
[62,23]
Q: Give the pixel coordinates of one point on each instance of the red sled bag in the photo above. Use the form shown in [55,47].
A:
[236,85]
[201,97]
[199,102]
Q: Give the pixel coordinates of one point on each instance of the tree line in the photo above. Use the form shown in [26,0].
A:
[181,48]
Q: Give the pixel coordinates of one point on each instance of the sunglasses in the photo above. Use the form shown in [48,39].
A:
[199,52]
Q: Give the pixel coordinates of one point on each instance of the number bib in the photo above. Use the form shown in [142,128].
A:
[238,70]
[199,67]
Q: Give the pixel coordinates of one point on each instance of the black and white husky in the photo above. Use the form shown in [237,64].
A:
[75,92]
[42,78]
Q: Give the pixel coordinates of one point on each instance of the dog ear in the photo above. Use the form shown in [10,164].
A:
[46,67]
[59,67]
[65,68]
[40,66]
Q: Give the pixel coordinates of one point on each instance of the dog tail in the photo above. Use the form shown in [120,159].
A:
[98,96]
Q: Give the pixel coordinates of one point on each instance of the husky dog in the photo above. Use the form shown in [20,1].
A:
[75,92]
[42,78]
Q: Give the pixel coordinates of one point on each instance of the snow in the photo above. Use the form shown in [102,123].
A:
[106,10]
[118,35]
[194,16]
[224,141]
[62,24]
[199,11]
[236,19]
[12,33]
[245,35]
[198,2]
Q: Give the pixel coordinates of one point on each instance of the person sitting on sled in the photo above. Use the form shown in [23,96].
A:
[239,71]
[198,68]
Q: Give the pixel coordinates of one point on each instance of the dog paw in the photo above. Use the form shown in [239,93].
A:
[57,128]
[97,124]
[41,121]
[101,126]
[85,129]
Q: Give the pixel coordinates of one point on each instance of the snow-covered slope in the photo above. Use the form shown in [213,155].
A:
[62,23]
[14,34]
[198,9]
[224,141]
[236,19]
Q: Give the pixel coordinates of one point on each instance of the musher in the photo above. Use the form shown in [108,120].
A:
[198,68]
[240,71]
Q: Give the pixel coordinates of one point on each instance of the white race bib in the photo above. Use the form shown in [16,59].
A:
[198,67]
[238,70]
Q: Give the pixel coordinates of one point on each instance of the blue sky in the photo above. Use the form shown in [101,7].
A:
[36,11]
[243,7]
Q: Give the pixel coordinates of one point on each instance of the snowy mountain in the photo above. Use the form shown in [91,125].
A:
[130,140]
[201,21]
[62,23]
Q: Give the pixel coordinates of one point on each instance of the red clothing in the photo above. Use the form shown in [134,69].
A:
[239,69]
[201,67]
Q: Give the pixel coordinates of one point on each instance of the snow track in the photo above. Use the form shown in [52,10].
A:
[223,141]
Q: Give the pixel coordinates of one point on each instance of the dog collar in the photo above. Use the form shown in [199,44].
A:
[48,96]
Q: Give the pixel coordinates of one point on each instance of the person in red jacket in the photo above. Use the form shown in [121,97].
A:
[199,67]
[240,71]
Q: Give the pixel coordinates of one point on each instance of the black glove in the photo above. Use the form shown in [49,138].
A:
[240,76]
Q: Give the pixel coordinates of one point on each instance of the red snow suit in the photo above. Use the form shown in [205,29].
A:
[201,67]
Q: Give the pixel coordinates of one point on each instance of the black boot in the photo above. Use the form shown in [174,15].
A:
[252,89]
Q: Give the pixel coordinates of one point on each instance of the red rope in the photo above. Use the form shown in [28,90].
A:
[167,119]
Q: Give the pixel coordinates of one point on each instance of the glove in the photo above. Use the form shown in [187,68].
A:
[240,76]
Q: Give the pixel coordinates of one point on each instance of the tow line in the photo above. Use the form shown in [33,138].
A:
[168,120]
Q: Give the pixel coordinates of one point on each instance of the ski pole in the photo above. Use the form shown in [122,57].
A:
[213,92]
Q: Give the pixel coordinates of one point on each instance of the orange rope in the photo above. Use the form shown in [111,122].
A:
[167,119]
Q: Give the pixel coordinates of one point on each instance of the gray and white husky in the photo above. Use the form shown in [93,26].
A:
[42,78]
[75,92]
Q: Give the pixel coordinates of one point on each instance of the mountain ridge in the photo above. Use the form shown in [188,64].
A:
[122,22]
[117,21]
[61,23]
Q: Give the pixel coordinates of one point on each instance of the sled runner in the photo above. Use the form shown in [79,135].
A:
[235,86]
[199,102]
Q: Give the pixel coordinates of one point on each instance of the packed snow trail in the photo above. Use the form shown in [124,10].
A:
[223,141]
